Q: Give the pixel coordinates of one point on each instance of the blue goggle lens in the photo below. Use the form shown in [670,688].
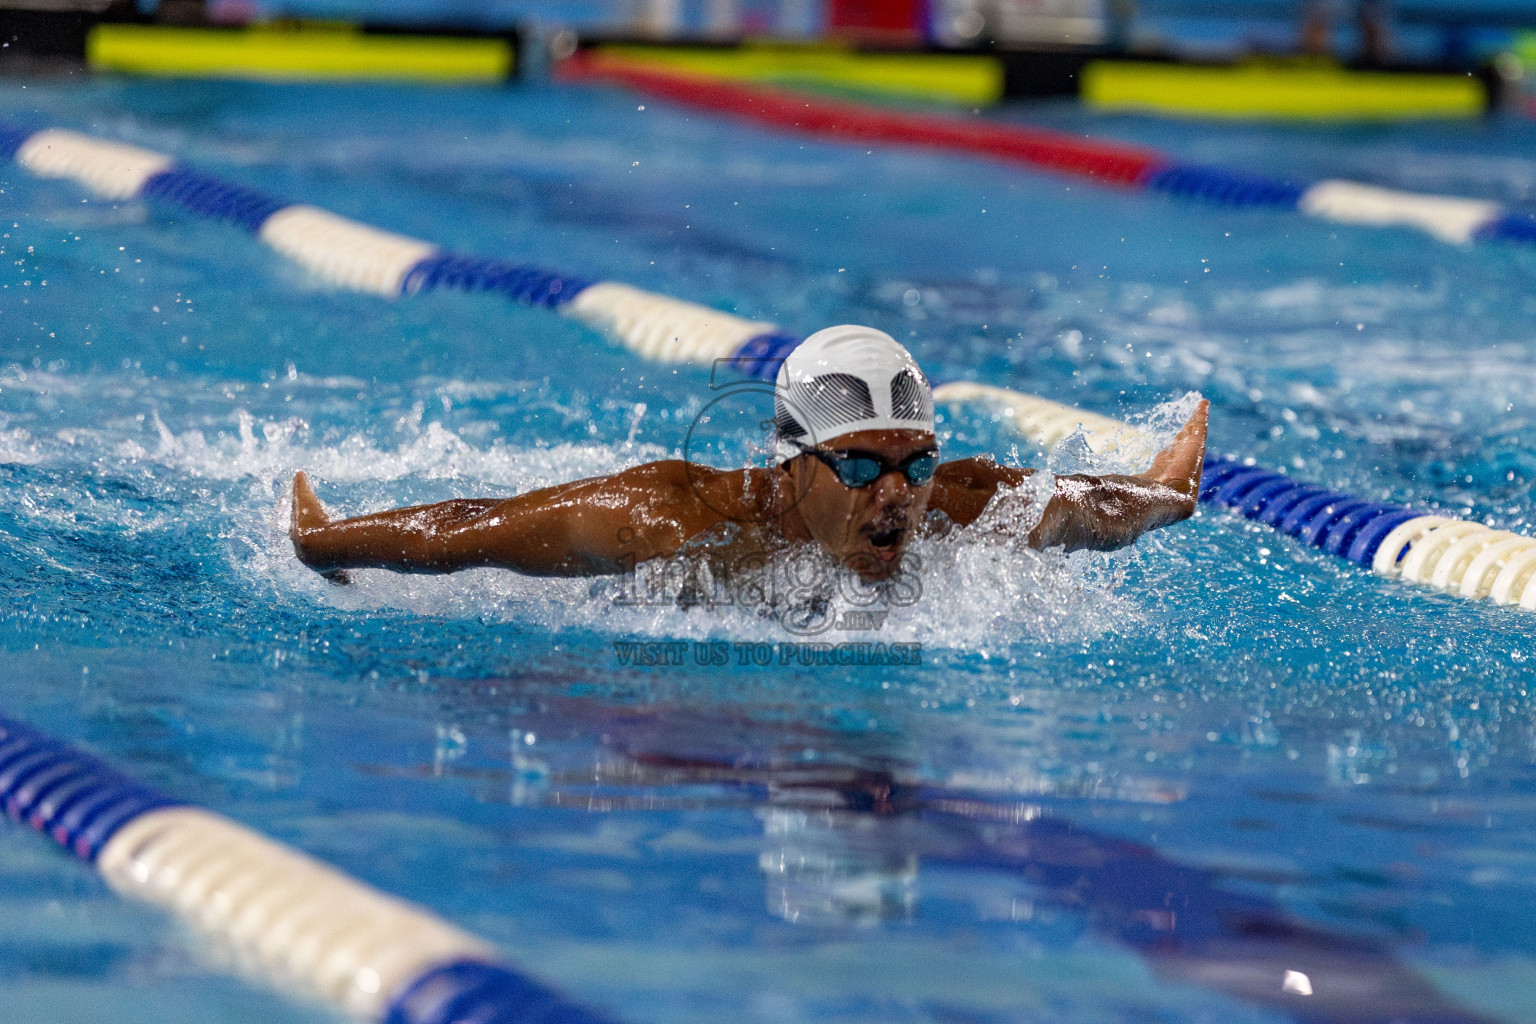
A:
[920,470]
[857,472]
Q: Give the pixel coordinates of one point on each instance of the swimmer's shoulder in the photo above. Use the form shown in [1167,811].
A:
[979,471]
[962,488]
[735,495]
[661,475]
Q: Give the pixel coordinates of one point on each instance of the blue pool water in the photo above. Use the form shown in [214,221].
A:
[1118,788]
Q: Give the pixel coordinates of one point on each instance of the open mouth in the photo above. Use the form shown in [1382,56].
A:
[887,537]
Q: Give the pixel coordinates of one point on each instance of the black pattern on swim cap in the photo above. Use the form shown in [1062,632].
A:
[787,425]
[833,399]
[910,399]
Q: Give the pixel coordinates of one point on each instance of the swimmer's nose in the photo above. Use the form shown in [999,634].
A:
[893,488]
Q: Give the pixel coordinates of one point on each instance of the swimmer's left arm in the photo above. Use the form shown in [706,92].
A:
[1097,512]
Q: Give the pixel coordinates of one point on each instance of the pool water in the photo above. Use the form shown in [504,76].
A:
[1128,787]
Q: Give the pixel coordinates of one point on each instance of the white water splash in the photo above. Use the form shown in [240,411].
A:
[979,589]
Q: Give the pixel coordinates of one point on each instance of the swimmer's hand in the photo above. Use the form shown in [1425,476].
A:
[1178,466]
[309,516]
[1108,512]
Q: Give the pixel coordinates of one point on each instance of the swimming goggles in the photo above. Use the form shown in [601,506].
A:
[860,469]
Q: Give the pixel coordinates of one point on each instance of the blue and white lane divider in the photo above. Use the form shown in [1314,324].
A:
[367,954]
[1460,557]
[363,258]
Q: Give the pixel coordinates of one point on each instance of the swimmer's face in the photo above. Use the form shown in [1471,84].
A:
[866,528]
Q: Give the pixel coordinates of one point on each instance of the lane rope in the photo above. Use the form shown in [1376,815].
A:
[1467,559]
[1448,218]
[304,923]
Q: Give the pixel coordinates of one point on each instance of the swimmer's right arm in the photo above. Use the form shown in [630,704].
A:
[594,526]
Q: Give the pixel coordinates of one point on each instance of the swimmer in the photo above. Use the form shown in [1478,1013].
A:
[858,473]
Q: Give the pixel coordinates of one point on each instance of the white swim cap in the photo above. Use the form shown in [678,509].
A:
[844,379]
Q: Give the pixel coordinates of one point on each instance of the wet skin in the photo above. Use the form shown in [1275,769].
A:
[608,524]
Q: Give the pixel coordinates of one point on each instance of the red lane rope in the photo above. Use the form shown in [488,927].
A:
[1055,151]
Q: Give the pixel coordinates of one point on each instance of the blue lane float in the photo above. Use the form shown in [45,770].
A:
[76,799]
[1464,558]
[366,953]
[1331,520]
[531,286]
[1221,186]
[212,198]
[1511,227]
